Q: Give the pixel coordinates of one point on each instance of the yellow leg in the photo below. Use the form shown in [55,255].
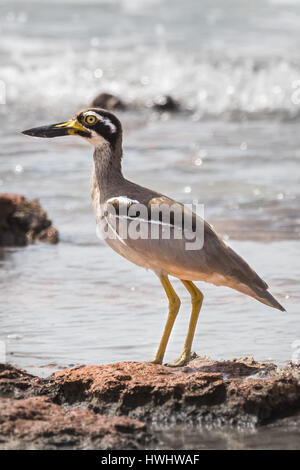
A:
[174,305]
[197,299]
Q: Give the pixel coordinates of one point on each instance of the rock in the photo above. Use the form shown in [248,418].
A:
[22,222]
[29,420]
[161,103]
[206,391]
[16,383]
[165,103]
[109,102]
[37,423]
[99,406]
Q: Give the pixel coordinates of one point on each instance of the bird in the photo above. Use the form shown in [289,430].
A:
[118,201]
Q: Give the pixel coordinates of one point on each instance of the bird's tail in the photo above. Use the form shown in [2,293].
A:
[263,295]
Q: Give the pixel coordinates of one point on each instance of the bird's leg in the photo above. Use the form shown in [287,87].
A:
[197,299]
[174,305]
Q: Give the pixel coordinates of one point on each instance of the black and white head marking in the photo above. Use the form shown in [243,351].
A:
[101,124]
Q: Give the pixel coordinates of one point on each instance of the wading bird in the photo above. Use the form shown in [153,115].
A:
[215,262]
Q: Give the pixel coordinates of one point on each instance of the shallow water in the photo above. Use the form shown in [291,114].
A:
[284,434]
[235,148]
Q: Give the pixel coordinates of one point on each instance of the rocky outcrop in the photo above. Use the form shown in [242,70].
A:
[37,423]
[103,406]
[160,103]
[22,222]
[109,102]
[29,420]
[16,383]
[224,392]
[164,103]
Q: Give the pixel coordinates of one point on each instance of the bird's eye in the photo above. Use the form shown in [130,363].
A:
[89,119]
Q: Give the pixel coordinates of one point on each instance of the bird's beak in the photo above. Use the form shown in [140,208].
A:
[55,130]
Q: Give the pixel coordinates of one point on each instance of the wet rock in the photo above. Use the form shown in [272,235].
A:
[242,367]
[206,391]
[16,383]
[22,222]
[165,103]
[109,102]
[29,420]
[99,406]
[37,423]
[160,103]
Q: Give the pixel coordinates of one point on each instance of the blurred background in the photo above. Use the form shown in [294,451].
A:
[210,95]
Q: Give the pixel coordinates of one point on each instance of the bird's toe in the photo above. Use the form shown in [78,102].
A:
[155,361]
[181,361]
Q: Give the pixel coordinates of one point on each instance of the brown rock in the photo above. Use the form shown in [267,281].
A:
[37,423]
[165,103]
[23,222]
[204,391]
[239,392]
[16,383]
[108,101]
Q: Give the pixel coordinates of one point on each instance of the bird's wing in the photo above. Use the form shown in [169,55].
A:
[209,259]
[175,231]
[218,257]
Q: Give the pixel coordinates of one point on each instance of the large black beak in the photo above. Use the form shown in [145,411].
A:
[55,130]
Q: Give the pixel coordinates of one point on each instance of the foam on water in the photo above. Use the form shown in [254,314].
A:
[210,58]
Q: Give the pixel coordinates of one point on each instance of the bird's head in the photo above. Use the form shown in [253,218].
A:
[96,125]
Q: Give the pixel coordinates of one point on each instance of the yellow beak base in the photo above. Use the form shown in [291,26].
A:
[73,127]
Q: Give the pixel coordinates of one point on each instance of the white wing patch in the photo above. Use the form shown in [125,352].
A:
[123,200]
[126,202]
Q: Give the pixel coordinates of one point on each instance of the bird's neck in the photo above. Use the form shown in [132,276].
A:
[108,169]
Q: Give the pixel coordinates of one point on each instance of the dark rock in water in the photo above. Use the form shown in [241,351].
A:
[109,102]
[161,103]
[165,103]
[16,383]
[48,413]
[37,423]
[22,222]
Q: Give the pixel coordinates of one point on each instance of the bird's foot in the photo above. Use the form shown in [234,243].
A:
[155,361]
[181,361]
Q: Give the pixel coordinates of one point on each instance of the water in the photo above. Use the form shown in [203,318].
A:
[235,68]
[283,434]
